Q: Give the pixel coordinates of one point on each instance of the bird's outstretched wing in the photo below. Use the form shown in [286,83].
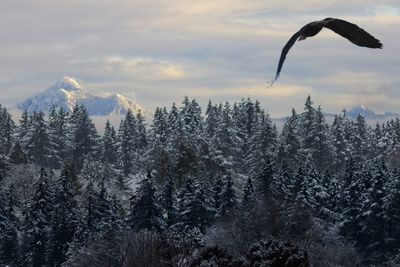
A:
[284,52]
[352,32]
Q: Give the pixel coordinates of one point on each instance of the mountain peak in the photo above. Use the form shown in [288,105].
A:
[363,111]
[67,84]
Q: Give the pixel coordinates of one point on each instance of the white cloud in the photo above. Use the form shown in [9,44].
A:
[148,69]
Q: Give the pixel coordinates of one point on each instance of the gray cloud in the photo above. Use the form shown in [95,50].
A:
[159,51]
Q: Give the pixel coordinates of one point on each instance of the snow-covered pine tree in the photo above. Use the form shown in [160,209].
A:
[339,141]
[83,135]
[263,144]
[158,156]
[36,225]
[186,139]
[323,151]
[65,218]
[104,210]
[213,117]
[109,144]
[22,130]
[127,134]
[290,141]
[168,202]
[7,128]
[57,128]
[263,183]
[146,212]
[217,191]
[39,147]
[4,166]
[391,206]
[372,220]
[351,200]
[141,139]
[229,201]
[195,209]
[224,143]
[361,140]
[248,200]
[307,123]
[17,155]
[9,226]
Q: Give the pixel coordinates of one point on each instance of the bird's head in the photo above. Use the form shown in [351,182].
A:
[302,37]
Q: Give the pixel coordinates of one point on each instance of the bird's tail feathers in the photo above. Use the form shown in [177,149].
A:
[269,85]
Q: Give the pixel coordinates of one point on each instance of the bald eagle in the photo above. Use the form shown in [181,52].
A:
[348,30]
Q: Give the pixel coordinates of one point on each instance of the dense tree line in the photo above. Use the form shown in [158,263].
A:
[222,187]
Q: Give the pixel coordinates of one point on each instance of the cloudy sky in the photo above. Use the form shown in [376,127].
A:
[157,51]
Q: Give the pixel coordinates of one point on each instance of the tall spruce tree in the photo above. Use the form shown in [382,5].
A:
[168,202]
[146,212]
[127,134]
[36,225]
[7,128]
[109,144]
[248,200]
[57,128]
[83,134]
[39,147]
[64,222]
[290,141]
[229,201]
[195,209]
[9,224]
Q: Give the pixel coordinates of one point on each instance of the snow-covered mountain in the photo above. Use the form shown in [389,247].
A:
[369,114]
[68,92]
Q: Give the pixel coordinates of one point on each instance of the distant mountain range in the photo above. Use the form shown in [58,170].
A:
[370,114]
[68,92]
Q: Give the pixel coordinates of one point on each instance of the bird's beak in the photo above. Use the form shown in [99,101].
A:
[302,37]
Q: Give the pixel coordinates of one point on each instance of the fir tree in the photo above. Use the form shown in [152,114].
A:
[39,148]
[263,144]
[9,241]
[248,195]
[167,201]
[17,155]
[391,205]
[4,166]
[195,210]
[57,128]
[109,144]
[22,131]
[372,219]
[37,223]
[360,140]
[146,212]
[291,142]
[141,142]
[7,127]
[340,143]
[84,136]
[263,182]
[64,218]
[217,194]
[127,134]
[322,149]
[229,202]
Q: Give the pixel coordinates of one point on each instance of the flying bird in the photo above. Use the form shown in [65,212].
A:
[348,30]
